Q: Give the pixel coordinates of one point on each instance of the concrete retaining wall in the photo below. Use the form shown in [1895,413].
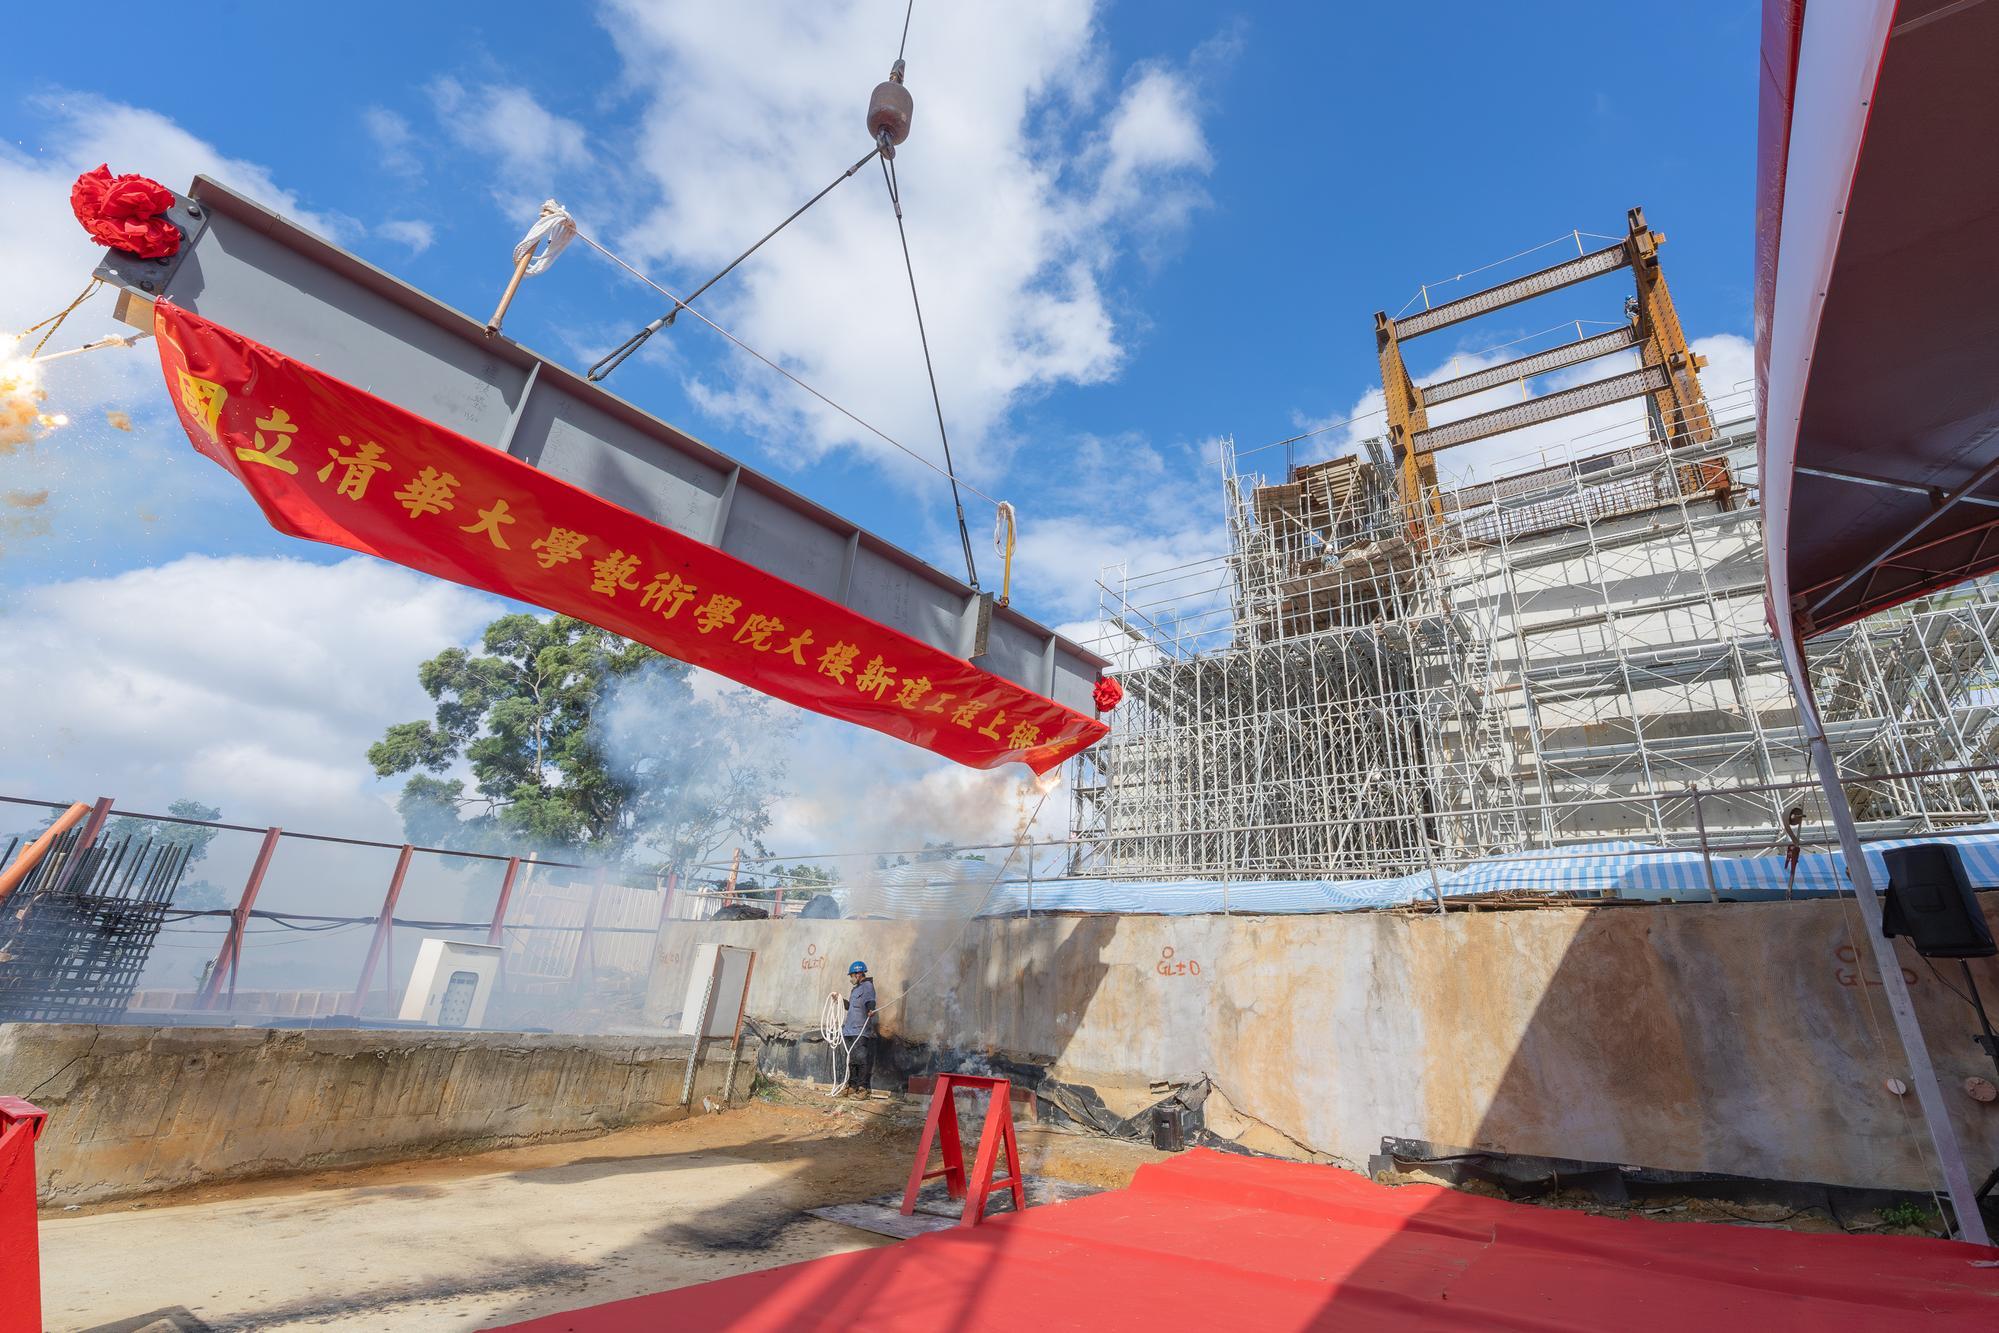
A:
[134,1110]
[1748,1039]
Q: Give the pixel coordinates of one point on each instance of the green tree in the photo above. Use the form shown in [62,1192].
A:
[195,837]
[577,740]
[946,851]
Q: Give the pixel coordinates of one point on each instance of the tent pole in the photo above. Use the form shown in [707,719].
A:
[1922,1073]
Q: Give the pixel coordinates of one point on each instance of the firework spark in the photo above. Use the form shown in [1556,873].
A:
[22,420]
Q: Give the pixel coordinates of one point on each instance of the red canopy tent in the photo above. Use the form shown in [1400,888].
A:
[1877,330]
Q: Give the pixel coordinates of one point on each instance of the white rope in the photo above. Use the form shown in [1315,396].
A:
[554,226]
[1003,528]
[832,1018]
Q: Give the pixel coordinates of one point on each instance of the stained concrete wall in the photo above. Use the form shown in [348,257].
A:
[134,1110]
[1750,1039]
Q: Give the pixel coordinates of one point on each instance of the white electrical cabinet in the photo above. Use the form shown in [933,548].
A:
[716,983]
[451,983]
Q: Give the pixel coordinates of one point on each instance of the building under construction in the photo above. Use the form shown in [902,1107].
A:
[1385,674]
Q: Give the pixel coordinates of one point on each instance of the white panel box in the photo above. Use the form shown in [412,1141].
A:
[727,969]
[451,984]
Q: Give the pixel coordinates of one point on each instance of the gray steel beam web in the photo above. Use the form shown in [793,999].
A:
[1580,269]
[1547,407]
[1540,363]
[270,280]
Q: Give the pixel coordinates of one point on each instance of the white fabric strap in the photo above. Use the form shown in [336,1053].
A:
[1003,529]
[554,226]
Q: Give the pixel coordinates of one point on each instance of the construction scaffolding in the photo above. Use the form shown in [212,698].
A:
[1383,675]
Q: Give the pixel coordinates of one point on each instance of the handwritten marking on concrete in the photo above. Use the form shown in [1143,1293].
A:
[1169,966]
[1855,975]
[813,959]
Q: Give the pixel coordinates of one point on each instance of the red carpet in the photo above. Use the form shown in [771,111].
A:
[1210,1241]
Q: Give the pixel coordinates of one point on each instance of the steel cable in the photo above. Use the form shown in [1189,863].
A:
[936,401]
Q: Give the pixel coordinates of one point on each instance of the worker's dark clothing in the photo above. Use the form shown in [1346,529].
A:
[860,1002]
[858,1033]
[861,1061]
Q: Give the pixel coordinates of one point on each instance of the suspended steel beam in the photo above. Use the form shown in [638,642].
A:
[270,280]
[1580,269]
[1540,363]
[1548,407]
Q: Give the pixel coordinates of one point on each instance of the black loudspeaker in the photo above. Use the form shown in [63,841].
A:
[1930,901]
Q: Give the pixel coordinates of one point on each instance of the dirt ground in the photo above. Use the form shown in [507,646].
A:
[463,1243]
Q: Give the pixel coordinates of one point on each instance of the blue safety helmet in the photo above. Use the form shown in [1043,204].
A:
[858,968]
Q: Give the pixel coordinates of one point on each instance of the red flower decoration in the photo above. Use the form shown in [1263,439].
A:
[1108,694]
[123,212]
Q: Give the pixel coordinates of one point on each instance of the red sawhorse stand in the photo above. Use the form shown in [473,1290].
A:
[940,1127]
[20,1257]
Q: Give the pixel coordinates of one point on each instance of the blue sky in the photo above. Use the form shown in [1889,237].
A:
[1137,229]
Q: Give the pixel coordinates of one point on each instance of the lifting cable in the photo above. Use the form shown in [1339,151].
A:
[964,533]
[637,340]
[889,110]
[888,123]
[750,351]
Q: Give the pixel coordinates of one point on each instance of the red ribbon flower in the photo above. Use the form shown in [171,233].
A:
[124,212]
[1108,694]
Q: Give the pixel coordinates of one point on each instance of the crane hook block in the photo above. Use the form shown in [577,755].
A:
[889,110]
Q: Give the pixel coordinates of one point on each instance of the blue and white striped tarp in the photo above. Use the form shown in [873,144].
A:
[1632,870]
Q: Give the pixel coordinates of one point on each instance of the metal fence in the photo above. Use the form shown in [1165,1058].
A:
[158,915]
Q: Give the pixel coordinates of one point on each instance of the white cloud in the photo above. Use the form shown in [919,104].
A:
[1125,648]
[113,495]
[532,144]
[257,685]
[1729,379]
[395,143]
[252,684]
[49,258]
[858,791]
[1026,177]
[1135,508]
[417,236]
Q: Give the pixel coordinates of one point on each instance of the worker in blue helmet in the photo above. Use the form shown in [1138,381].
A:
[857,1034]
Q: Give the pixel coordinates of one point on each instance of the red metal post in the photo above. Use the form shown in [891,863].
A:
[93,825]
[20,1245]
[384,928]
[940,1122]
[231,952]
[506,894]
[496,932]
[996,1135]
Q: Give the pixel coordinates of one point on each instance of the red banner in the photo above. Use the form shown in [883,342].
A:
[332,463]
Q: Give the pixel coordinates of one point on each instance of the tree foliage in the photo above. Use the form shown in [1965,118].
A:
[195,837]
[577,740]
